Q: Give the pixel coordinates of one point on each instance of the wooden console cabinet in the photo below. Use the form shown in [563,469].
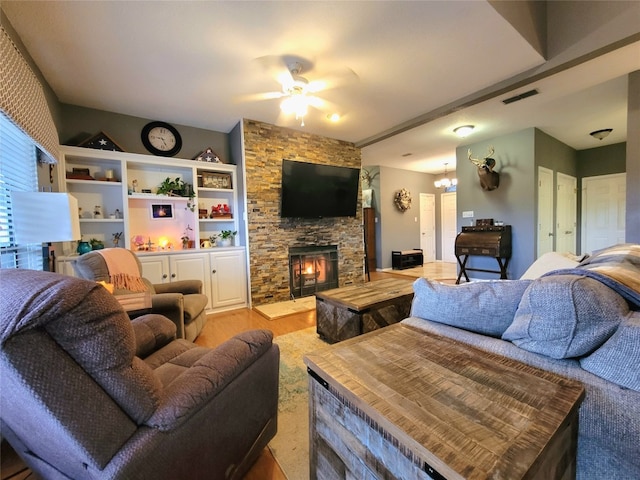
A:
[402,403]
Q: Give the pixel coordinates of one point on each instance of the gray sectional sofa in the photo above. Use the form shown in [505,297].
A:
[582,323]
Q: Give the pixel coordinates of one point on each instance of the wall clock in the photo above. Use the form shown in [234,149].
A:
[160,138]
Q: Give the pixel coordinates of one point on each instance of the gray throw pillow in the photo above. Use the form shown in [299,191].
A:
[618,360]
[564,316]
[481,307]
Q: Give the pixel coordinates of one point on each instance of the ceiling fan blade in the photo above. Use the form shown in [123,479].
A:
[276,67]
[334,79]
[255,97]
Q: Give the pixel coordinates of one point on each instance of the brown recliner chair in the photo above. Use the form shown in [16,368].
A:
[181,301]
[88,393]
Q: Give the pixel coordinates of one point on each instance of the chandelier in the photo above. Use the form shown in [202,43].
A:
[445,182]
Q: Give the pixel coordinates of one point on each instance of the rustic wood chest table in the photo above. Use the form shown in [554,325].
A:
[347,312]
[400,403]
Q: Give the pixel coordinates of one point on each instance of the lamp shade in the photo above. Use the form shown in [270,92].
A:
[40,217]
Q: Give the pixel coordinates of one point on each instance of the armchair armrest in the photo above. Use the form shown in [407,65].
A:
[209,376]
[151,333]
[184,287]
[171,305]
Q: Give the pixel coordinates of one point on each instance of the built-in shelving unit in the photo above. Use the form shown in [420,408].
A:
[122,187]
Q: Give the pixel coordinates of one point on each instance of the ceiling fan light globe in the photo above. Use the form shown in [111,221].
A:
[296,105]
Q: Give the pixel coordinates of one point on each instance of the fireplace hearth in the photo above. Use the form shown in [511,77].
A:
[312,269]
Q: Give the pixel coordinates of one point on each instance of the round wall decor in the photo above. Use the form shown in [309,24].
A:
[161,138]
[403,200]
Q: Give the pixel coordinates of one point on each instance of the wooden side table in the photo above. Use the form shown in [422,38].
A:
[403,403]
[347,312]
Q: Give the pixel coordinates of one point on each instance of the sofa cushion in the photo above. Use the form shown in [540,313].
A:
[481,307]
[618,360]
[564,316]
[152,331]
[548,262]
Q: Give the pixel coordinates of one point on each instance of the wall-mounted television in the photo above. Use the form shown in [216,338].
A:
[311,190]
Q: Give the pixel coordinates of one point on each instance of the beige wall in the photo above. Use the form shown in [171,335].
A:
[270,236]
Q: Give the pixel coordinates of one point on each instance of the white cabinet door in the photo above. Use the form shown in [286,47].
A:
[155,268]
[603,211]
[229,281]
[192,267]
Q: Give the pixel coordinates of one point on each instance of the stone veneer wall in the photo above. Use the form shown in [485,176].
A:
[270,236]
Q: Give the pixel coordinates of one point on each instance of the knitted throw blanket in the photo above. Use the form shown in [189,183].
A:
[618,267]
[123,269]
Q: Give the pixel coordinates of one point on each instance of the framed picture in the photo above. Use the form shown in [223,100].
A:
[367,195]
[161,211]
[215,180]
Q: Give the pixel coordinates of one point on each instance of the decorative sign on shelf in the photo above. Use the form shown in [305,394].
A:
[214,180]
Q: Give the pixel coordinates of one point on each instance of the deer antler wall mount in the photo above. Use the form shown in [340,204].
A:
[489,180]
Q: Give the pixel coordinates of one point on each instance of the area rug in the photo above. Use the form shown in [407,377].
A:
[273,311]
[290,446]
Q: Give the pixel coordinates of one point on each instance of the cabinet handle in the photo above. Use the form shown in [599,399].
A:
[173,275]
[213,271]
[164,276]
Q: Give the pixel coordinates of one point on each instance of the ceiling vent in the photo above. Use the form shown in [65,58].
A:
[521,96]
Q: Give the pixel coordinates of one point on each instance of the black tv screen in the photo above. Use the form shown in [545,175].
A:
[311,190]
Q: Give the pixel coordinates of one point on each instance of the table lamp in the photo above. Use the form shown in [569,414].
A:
[45,217]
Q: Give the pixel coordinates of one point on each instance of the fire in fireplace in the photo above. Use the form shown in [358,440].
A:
[312,269]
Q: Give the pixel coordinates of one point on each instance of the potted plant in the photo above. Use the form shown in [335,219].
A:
[96,244]
[226,236]
[177,188]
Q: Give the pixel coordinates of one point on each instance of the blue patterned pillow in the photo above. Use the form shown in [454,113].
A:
[481,307]
[564,316]
[618,360]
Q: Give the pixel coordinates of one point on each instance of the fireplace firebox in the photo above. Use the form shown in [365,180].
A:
[312,269]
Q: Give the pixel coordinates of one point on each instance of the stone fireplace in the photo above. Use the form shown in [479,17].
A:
[270,235]
[312,269]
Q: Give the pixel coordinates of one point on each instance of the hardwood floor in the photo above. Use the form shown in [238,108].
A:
[222,326]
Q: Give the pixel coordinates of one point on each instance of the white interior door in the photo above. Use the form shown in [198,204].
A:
[545,211]
[603,211]
[428,226]
[449,215]
[566,213]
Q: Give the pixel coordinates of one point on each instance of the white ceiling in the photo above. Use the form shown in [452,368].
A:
[194,63]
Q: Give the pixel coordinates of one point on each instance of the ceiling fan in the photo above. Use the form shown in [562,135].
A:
[297,92]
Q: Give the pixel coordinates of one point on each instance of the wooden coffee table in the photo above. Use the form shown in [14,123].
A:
[347,312]
[403,403]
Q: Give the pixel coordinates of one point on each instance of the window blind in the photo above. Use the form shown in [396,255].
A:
[17,173]
[23,100]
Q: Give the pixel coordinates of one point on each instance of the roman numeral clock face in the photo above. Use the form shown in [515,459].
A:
[160,138]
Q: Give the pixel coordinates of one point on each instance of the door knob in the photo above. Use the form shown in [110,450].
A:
[213,271]
[173,275]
